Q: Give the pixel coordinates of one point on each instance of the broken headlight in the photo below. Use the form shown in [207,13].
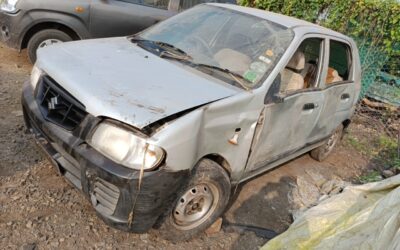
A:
[9,6]
[125,148]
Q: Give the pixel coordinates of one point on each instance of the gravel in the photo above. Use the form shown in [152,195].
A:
[40,210]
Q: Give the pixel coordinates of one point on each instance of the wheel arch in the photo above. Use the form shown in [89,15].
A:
[220,160]
[346,123]
[48,25]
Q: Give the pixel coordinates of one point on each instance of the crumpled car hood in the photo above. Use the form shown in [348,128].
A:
[115,78]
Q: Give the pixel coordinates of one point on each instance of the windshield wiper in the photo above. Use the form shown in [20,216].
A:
[189,60]
[167,48]
[171,47]
[170,52]
[235,76]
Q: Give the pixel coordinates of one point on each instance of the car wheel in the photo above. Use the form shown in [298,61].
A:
[323,151]
[43,39]
[199,204]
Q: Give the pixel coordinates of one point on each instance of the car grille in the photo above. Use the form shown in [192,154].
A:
[105,196]
[58,106]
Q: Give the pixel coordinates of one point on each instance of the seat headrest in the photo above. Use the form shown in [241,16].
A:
[297,62]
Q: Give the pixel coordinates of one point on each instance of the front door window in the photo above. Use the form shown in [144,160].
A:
[303,69]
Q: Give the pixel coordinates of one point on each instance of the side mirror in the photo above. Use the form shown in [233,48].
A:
[273,95]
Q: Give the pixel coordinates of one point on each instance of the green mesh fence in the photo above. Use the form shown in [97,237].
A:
[372,61]
[380,74]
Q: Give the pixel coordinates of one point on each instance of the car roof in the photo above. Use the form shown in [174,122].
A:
[287,21]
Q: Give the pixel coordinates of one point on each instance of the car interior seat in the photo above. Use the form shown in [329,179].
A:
[333,76]
[291,75]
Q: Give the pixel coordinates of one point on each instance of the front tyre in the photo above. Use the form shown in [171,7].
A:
[43,39]
[323,151]
[199,204]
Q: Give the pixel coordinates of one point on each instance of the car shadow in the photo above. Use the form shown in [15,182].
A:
[255,217]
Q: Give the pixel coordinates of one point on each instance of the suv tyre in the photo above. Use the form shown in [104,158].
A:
[45,38]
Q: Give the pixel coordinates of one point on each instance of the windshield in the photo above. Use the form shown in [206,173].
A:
[236,43]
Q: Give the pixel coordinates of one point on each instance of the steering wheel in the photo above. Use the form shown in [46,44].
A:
[201,45]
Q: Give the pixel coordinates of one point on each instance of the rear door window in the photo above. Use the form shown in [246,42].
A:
[340,63]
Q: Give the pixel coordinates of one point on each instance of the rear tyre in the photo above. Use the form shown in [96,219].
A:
[43,39]
[199,204]
[323,151]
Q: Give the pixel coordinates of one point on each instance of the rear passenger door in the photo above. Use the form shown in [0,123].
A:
[110,18]
[339,87]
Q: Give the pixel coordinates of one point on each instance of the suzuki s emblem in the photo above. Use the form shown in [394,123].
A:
[53,104]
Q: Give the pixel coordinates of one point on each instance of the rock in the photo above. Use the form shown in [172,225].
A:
[9,223]
[333,187]
[31,246]
[387,173]
[317,178]
[308,192]
[54,244]
[29,224]
[16,197]
[61,240]
[144,237]
[214,228]
[17,113]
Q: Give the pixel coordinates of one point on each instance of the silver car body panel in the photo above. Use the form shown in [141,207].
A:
[114,78]
[207,130]
[202,139]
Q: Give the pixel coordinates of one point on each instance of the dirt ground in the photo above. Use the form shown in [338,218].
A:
[40,209]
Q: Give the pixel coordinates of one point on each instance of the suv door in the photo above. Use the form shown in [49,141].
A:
[288,125]
[126,17]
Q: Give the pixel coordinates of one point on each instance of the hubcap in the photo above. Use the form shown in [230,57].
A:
[195,206]
[49,42]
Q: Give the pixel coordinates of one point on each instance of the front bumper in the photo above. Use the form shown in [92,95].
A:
[12,28]
[110,187]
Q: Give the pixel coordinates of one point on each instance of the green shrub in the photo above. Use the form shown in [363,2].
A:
[374,20]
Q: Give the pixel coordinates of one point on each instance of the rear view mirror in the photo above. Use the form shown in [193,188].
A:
[273,95]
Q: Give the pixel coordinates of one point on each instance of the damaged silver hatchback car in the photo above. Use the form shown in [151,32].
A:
[156,128]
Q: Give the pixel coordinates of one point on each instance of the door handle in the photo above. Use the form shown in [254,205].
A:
[310,106]
[345,96]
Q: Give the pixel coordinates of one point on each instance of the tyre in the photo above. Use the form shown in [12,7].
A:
[45,38]
[323,151]
[200,203]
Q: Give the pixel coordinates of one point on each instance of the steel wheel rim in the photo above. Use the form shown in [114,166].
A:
[195,206]
[332,142]
[49,42]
